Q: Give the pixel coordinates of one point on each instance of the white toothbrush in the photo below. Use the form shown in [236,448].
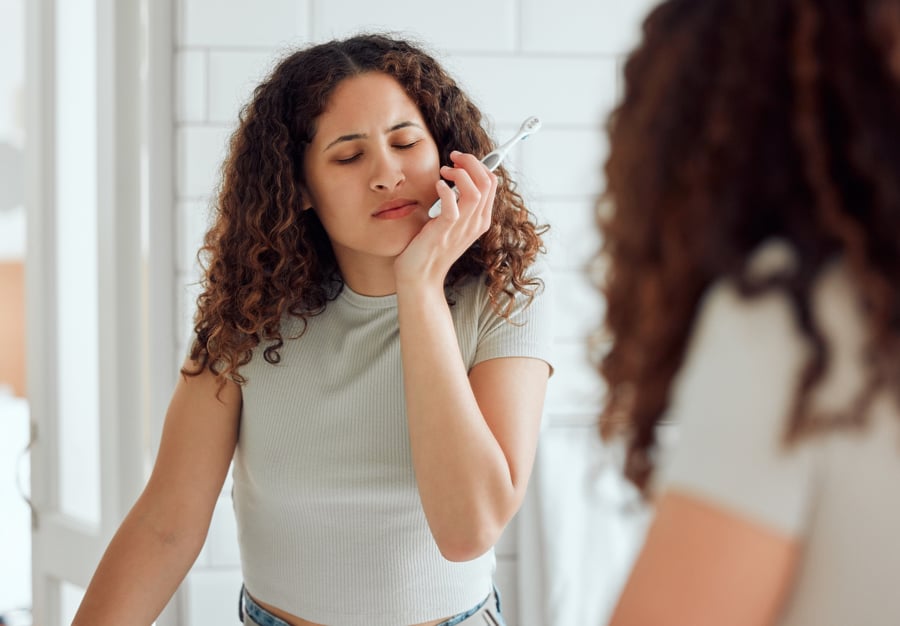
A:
[495,157]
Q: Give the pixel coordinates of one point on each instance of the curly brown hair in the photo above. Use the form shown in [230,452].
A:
[741,121]
[264,257]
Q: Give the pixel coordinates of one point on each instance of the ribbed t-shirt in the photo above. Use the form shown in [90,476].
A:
[837,494]
[330,523]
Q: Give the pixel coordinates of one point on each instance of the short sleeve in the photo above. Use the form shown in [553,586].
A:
[729,408]
[528,332]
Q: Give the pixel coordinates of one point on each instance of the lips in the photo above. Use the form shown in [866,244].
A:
[395,209]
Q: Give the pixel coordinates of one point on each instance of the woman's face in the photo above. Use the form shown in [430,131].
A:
[371,169]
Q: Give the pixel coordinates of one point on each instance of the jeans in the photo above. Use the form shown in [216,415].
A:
[485,613]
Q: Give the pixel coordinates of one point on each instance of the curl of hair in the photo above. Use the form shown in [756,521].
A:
[743,121]
[265,257]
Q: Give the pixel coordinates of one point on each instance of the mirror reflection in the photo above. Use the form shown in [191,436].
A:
[511,63]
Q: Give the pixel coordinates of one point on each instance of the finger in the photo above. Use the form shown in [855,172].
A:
[488,208]
[449,197]
[477,171]
[482,216]
[485,180]
[469,193]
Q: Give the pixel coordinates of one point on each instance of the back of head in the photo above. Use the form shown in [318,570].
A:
[743,121]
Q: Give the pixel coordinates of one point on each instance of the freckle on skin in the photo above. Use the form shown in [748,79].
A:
[166,538]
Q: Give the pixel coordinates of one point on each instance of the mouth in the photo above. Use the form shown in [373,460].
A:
[395,209]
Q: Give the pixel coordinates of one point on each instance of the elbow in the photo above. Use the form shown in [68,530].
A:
[466,544]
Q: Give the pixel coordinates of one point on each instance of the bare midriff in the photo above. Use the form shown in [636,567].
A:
[293,620]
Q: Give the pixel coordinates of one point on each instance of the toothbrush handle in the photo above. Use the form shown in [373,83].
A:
[435,208]
[491,160]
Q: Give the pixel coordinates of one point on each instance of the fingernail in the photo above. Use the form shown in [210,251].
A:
[455,153]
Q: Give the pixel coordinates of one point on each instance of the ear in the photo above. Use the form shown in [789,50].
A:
[305,199]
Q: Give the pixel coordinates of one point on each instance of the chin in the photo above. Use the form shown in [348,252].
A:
[387,249]
[398,243]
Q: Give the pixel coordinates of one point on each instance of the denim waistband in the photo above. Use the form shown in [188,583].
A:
[246,604]
[256,612]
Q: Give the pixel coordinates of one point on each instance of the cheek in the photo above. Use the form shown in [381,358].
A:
[328,190]
[429,166]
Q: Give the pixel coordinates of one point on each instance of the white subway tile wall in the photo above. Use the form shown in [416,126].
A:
[574,239]
[558,60]
[574,391]
[565,163]
[200,150]
[593,27]
[564,91]
[232,77]
[191,78]
[576,303]
[231,24]
[193,220]
[463,26]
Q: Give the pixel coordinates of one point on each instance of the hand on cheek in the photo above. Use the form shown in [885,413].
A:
[465,216]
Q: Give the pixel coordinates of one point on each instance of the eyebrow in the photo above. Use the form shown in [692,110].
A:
[355,136]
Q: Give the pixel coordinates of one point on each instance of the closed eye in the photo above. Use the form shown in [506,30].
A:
[398,146]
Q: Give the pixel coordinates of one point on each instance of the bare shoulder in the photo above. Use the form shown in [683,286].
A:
[199,436]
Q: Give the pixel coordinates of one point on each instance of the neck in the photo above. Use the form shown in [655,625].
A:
[374,277]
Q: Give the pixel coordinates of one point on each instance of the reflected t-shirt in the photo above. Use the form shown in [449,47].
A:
[330,523]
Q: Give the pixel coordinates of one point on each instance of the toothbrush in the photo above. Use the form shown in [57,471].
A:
[495,157]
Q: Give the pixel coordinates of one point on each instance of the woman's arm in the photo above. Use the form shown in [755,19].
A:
[702,565]
[162,534]
[473,434]
[473,437]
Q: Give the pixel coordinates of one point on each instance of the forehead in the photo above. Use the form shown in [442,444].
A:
[364,100]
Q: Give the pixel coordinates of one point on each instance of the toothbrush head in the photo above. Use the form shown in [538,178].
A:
[531,125]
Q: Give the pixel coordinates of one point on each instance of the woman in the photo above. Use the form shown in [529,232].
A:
[378,377]
[754,303]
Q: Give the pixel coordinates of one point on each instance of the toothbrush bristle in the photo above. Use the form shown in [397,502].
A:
[532,124]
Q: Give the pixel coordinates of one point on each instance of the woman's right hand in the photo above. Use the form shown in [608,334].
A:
[463,219]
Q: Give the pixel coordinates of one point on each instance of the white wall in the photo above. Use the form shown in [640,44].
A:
[558,60]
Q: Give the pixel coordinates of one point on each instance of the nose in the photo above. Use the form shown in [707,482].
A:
[387,172]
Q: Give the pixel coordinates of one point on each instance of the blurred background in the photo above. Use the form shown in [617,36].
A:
[113,120]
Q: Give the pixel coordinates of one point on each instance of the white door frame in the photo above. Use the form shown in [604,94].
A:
[159,119]
[135,280]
